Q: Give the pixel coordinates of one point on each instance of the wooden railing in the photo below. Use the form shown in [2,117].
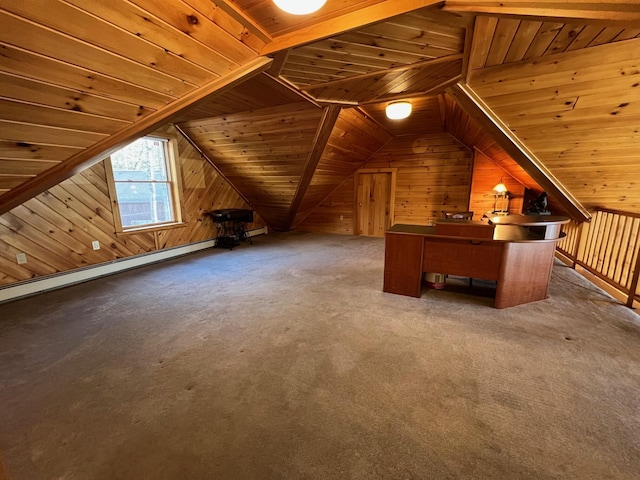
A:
[607,247]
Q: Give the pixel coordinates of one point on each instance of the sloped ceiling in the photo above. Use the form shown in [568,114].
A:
[79,78]
[262,152]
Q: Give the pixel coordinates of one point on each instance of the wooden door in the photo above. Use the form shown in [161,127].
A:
[373,203]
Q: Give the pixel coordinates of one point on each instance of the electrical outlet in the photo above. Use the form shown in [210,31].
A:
[96,245]
[21,258]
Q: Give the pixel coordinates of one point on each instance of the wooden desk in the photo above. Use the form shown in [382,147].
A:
[517,255]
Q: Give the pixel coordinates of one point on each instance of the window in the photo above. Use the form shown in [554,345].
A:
[142,180]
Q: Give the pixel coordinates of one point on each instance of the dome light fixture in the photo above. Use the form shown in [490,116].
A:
[299,7]
[398,110]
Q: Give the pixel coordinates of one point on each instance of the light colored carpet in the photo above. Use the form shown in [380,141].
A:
[285,360]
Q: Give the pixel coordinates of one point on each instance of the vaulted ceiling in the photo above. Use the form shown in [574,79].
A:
[286,108]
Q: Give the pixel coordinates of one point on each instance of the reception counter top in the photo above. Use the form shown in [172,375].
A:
[516,253]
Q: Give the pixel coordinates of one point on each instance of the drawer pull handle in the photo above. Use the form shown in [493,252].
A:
[475,242]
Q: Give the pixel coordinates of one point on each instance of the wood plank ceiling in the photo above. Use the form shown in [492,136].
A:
[76,75]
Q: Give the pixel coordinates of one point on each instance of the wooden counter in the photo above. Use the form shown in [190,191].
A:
[516,254]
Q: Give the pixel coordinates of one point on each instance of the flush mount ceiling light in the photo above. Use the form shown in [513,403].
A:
[398,110]
[299,7]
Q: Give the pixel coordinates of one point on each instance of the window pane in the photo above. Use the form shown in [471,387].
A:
[144,203]
[142,160]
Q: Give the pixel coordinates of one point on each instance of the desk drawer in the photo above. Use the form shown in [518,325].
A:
[463,257]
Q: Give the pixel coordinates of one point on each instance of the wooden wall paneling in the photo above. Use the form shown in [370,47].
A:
[33,91]
[261,91]
[502,40]
[354,139]
[564,38]
[145,125]
[42,214]
[34,65]
[407,54]
[486,175]
[62,118]
[26,151]
[203,35]
[51,258]
[625,11]
[585,37]
[544,38]
[325,127]
[483,32]
[579,117]
[367,15]
[55,229]
[237,16]
[9,252]
[25,167]
[177,29]
[389,84]
[476,107]
[335,214]
[18,31]
[262,153]
[433,175]
[203,190]
[40,134]
[525,35]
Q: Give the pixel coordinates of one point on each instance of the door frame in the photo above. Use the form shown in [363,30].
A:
[392,193]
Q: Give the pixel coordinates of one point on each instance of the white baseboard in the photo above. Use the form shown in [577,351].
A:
[64,279]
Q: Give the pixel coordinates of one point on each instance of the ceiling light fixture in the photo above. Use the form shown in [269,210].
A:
[300,7]
[398,110]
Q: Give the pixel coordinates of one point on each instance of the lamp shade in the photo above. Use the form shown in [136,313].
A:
[398,110]
[299,7]
[500,188]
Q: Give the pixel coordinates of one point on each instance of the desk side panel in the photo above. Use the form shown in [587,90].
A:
[524,273]
[403,264]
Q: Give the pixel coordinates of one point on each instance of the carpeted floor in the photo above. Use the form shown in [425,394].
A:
[285,360]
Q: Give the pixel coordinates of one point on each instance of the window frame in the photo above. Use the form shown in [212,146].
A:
[174,180]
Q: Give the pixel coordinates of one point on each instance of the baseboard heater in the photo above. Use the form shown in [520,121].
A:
[64,279]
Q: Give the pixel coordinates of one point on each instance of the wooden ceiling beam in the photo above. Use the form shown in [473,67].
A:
[328,121]
[471,103]
[145,125]
[279,59]
[438,88]
[627,11]
[292,88]
[335,26]
[377,73]
[238,15]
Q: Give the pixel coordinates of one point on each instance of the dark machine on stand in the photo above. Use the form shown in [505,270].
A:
[538,206]
[231,226]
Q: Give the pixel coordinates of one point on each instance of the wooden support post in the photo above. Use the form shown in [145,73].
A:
[576,248]
[634,281]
